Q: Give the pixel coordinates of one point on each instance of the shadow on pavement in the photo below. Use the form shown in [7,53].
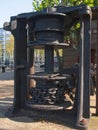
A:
[5,104]
[57,117]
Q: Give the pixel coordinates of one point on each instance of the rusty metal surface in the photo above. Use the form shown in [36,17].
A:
[47,76]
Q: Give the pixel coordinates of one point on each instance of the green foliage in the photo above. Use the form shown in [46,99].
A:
[40,4]
[78,2]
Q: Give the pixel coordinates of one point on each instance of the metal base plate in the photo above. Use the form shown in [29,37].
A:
[65,105]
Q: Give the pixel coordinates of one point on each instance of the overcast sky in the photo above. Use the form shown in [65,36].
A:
[10,8]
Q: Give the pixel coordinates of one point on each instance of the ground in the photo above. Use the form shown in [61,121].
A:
[34,120]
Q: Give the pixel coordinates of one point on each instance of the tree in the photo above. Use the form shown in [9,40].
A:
[78,2]
[10,48]
[40,4]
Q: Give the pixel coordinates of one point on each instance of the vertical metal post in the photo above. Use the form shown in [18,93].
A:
[81,74]
[84,71]
[30,54]
[97,73]
[49,59]
[87,52]
[20,72]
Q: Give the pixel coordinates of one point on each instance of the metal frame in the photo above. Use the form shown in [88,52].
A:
[17,26]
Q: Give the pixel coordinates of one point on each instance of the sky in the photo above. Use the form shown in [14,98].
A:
[10,8]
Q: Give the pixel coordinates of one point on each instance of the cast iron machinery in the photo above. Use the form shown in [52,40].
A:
[47,90]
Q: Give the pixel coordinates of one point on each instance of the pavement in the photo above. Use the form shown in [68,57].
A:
[30,122]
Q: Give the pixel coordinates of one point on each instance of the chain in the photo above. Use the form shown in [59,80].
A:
[47,96]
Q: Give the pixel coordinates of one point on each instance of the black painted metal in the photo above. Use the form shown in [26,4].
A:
[30,53]
[18,26]
[49,59]
[87,51]
[20,59]
[97,71]
[47,29]
[52,31]
[81,75]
